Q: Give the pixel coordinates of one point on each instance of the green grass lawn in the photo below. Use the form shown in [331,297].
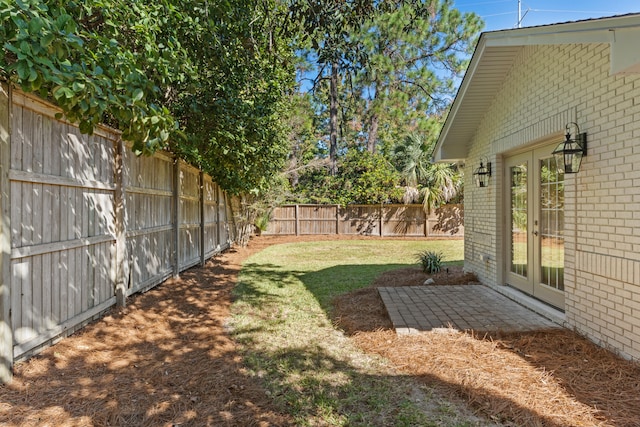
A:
[311,370]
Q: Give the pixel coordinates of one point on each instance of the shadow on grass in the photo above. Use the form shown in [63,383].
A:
[324,285]
[316,387]
[330,282]
[314,374]
[254,276]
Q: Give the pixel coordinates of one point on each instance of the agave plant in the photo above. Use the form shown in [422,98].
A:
[430,261]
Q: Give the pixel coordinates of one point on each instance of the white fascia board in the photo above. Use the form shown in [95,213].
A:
[459,152]
[625,55]
[621,33]
[577,37]
[581,32]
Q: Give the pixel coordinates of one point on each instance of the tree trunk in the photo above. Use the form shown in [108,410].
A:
[373,133]
[374,119]
[293,166]
[333,120]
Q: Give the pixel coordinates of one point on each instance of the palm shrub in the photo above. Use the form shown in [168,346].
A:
[430,261]
[432,183]
[262,222]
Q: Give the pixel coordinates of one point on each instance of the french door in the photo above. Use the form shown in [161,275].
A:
[535,225]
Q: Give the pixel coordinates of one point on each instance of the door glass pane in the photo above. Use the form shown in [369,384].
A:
[551,225]
[519,219]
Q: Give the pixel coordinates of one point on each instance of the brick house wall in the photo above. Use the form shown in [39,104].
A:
[547,87]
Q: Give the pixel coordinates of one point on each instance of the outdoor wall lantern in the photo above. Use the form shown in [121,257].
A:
[482,174]
[569,153]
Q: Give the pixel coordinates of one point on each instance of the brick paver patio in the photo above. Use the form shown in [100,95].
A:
[464,307]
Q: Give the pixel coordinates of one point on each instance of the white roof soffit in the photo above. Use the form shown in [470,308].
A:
[493,59]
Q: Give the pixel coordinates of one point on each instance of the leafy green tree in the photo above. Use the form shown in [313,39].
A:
[383,69]
[301,136]
[412,160]
[209,80]
[328,27]
[234,111]
[365,178]
[414,50]
[98,60]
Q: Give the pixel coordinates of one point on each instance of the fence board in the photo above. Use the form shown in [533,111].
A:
[360,219]
[317,219]
[16,207]
[37,293]
[8,156]
[372,220]
[283,221]
[225,216]
[62,263]
[75,289]
[47,293]
[38,143]
[404,221]
[16,138]
[211,216]
[148,218]
[189,204]
[18,271]
[55,290]
[25,219]
[64,286]
[27,143]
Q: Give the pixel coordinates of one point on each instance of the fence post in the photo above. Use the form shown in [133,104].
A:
[338,219]
[202,224]
[297,221]
[6,332]
[218,242]
[176,217]
[381,219]
[120,227]
[229,218]
[426,223]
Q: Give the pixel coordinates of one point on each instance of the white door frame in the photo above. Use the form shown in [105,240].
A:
[526,252]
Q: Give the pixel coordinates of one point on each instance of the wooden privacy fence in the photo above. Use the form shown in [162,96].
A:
[372,220]
[85,223]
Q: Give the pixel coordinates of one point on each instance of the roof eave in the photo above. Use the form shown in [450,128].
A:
[621,32]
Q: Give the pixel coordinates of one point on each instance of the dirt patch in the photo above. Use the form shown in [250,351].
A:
[543,378]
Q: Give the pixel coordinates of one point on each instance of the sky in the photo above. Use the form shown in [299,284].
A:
[503,14]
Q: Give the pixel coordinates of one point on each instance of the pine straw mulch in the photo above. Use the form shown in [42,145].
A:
[164,360]
[543,378]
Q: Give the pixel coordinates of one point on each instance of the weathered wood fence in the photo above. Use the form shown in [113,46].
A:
[372,220]
[85,223]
